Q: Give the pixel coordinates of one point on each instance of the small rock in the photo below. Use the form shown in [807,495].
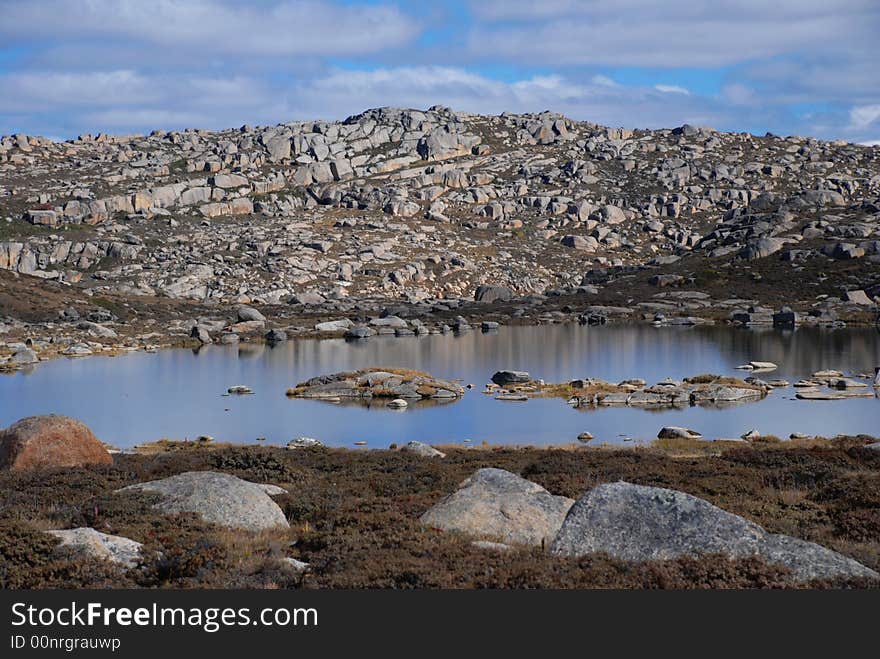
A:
[422,449]
[89,543]
[304,442]
[503,378]
[276,336]
[677,432]
[217,498]
[23,356]
[249,314]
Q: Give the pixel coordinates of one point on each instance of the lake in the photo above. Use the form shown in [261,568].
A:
[178,393]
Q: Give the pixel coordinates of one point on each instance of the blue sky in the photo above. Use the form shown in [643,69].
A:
[805,67]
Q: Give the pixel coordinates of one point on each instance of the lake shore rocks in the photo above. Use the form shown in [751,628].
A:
[676,432]
[505,378]
[640,523]
[498,505]
[705,390]
[366,384]
[50,440]
[217,498]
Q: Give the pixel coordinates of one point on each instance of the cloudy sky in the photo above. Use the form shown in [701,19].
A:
[806,67]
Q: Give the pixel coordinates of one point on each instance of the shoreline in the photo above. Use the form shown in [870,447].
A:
[51,351]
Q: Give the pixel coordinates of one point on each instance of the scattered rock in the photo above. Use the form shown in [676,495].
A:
[276,336]
[304,442]
[377,383]
[217,498]
[496,504]
[88,543]
[422,449]
[504,378]
[641,523]
[677,432]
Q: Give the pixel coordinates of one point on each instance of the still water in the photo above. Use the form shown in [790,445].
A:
[178,394]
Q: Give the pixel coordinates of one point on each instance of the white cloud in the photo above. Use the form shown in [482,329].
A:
[671,89]
[699,33]
[860,117]
[738,94]
[205,27]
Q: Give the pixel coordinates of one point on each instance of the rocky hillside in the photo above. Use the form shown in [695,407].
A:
[405,206]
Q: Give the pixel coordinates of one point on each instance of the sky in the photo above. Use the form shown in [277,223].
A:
[790,67]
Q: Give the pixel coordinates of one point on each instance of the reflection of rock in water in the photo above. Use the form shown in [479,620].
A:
[250,350]
[382,404]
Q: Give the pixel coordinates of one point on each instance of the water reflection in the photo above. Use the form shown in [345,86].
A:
[178,393]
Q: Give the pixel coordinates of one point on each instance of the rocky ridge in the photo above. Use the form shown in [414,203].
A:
[439,215]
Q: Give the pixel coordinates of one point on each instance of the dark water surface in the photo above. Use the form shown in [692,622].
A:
[178,393]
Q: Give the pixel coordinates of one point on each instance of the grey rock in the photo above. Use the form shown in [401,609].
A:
[359,332]
[200,333]
[677,432]
[334,325]
[304,442]
[489,294]
[246,314]
[422,449]
[640,523]
[503,378]
[89,543]
[217,498]
[276,336]
[498,505]
[23,356]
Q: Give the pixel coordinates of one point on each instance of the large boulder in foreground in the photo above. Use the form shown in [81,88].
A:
[50,440]
[498,505]
[640,523]
[217,498]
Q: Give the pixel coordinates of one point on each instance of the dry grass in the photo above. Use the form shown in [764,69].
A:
[354,516]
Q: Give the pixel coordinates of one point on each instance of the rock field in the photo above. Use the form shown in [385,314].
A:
[437,218]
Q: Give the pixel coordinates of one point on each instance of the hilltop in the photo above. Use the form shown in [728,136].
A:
[434,214]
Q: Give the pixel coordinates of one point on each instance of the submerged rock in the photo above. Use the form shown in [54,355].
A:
[217,498]
[50,440]
[499,505]
[641,523]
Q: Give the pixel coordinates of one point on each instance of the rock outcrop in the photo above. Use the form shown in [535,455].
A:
[367,384]
[640,523]
[217,498]
[498,505]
